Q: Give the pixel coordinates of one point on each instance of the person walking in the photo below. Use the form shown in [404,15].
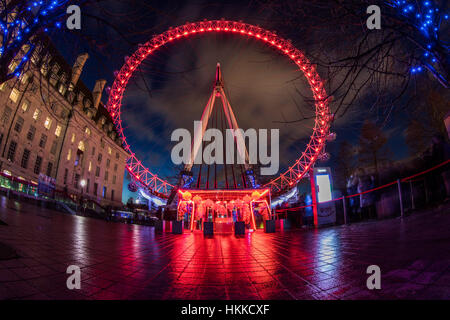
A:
[367,200]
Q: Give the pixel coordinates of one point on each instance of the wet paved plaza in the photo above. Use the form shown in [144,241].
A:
[121,261]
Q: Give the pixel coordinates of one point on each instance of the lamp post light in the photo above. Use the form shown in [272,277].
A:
[82,185]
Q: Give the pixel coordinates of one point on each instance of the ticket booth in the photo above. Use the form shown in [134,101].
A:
[224,208]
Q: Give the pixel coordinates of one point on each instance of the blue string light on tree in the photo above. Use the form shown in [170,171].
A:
[427,18]
[38,16]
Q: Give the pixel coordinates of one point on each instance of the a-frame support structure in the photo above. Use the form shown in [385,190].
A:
[210,118]
[218,92]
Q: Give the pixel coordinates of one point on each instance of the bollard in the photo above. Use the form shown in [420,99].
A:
[239,228]
[400,198]
[344,203]
[269,226]
[208,228]
[177,227]
[159,226]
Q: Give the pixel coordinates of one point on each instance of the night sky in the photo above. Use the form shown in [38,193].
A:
[174,84]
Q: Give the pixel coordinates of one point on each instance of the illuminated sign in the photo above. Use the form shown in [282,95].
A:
[324,209]
[323,184]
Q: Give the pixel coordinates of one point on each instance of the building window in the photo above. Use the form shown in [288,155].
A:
[25,157]
[97,172]
[102,144]
[43,141]
[19,124]
[117,155]
[93,151]
[12,66]
[106,175]
[44,67]
[73,138]
[25,105]
[115,167]
[104,192]
[62,89]
[66,173]
[63,81]
[14,96]
[49,169]
[114,180]
[90,166]
[88,182]
[48,123]
[53,148]
[87,131]
[79,157]
[2,86]
[109,150]
[112,195]
[23,77]
[77,179]
[54,74]
[58,131]
[54,108]
[69,154]
[81,145]
[95,188]
[36,114]
[99,158]
[37,165]
[11,151]
[108,162]
[6,114]
[36,56]
[31,133]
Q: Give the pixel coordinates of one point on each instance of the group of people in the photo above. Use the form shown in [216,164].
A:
[361,206]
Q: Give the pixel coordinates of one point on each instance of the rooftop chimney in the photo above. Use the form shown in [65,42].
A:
[97,92]
[77,68]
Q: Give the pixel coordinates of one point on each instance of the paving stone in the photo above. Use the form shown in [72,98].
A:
[118,261]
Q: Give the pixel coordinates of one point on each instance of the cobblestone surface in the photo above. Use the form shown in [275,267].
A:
[120,261]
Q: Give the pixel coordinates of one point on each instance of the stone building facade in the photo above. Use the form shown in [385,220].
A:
[51,123]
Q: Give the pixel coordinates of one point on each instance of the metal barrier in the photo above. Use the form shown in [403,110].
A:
[398,182]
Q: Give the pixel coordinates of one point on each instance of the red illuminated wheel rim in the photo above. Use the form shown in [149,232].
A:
[323,118]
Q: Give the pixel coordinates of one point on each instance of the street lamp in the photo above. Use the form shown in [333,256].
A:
[82,184]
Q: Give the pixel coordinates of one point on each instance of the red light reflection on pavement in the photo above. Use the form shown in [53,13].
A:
[121,261]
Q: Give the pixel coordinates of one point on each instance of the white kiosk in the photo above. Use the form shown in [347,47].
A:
[324,208]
